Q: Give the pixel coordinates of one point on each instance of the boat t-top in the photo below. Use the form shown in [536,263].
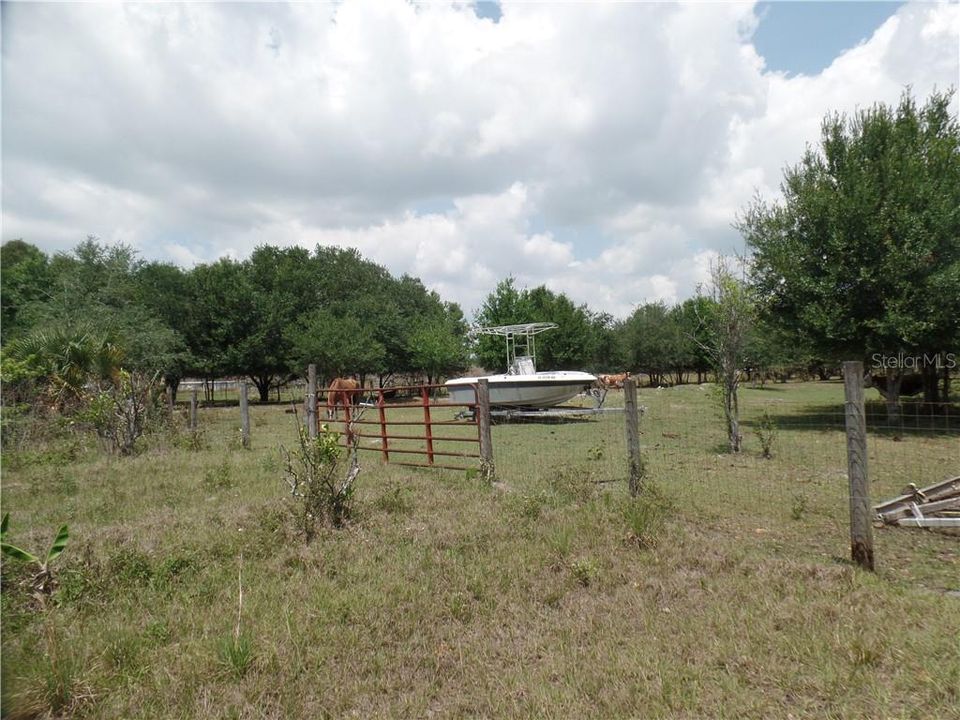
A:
[522,386]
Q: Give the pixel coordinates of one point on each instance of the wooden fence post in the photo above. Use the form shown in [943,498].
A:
[244,416]
[170,400]
[311,403]
[634,458]
[861,529]
[487,469]
[193,409]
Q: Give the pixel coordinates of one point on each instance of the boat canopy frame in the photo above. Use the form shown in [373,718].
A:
[522,338]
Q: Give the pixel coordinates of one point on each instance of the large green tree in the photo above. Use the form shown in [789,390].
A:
[575,344]
[861,257]
[654,341]
[220,318]
[27,278]
[282,282]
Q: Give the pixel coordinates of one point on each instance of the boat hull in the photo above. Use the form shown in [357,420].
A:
[543,389]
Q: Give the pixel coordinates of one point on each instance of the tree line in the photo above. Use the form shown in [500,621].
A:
[97,308]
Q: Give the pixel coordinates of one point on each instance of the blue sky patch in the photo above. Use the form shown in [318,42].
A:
[805,37]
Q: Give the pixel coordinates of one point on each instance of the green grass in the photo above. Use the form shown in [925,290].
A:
[725,593]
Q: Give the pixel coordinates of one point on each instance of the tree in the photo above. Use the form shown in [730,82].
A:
[608,350]
[83,310]
[337,345]
[861,258]
[574,344]
[693,316]
[219,319]
[164,291]
[439,345]
[26,279]
[504,306]
[281,281]
[728,331]
[653,341]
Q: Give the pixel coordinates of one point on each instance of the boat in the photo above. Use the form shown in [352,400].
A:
[522,386]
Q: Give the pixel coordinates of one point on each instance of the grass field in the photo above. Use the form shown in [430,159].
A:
[723,592]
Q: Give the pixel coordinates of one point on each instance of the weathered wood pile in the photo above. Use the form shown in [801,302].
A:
[936,506]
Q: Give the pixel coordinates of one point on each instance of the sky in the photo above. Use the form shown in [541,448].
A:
[601,149]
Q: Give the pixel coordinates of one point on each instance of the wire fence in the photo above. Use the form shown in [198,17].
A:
[790,477]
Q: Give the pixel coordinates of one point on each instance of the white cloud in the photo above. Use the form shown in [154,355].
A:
[602,149]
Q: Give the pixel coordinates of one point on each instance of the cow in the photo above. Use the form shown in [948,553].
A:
[341,393]
[614,381]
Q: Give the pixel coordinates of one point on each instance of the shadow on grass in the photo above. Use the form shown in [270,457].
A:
[766,388]
[916,419]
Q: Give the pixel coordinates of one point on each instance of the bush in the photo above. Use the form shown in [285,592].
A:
[119,413]
[767,432]
[321,490]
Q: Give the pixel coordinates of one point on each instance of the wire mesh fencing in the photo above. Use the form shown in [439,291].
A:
[790,476]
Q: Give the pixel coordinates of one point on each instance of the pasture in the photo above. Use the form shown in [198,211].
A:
[724,591]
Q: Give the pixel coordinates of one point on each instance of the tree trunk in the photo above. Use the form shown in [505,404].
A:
[262,383]
[892,396]
[931,384]
[946,383]
[173,382]
[731,411]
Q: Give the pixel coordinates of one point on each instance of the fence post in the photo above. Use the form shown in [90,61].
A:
[487,469]
[244,416]
[634,458]
[861,530]
[311,402]
[427,425]
[382,415]
[193,409]
[170,399]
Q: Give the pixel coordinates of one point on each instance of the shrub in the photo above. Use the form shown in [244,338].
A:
[585,571]
[120,412]
[767,432]
[321,491]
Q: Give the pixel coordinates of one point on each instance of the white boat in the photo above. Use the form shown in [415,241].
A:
[522,386]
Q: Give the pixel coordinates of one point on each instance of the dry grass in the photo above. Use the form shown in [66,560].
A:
[550,595]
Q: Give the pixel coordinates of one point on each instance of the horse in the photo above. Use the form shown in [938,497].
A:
[340,394]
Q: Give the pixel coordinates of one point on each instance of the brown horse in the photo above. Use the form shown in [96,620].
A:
[340,394]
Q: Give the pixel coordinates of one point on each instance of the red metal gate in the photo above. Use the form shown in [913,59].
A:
[399,412]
